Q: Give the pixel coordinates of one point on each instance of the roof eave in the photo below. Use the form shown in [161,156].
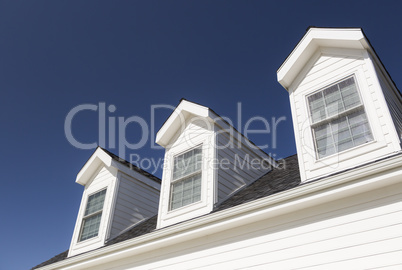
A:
[384,172]
[315,38]
[93,163]
[178,118]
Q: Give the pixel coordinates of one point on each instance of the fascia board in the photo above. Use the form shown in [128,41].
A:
[177,120]
[93,163]
[135,175]
[376,59]
[314,39]
[372,176]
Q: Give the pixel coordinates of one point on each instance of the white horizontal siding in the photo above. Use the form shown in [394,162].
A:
[360,232]
[328,69]
[135,202]
[305,246]
[323,69]
[194,131]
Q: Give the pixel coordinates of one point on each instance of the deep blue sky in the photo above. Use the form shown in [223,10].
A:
[55,55]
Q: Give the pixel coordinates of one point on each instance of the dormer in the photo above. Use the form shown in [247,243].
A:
[206,161]
[117,195]
[346,110]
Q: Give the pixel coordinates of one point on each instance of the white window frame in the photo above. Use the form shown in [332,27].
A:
[84,217]
[183,178]
[330,119]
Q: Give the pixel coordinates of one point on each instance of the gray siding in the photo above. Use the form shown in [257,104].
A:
[135,202]
[237,166]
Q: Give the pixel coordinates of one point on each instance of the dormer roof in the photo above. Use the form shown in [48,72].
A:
[315,38]
[104,157]
[178,117]
[185,110]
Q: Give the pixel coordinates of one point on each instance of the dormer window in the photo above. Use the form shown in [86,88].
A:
[92,216]
[195,139]
[338,119]
[114,190]
[186,180]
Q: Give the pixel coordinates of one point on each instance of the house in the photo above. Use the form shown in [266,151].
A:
[336,204]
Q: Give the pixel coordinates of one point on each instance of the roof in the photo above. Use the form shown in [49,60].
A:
[132,166]
[56,258]
[282,178]
[103,156]
[177,120]
[315,38]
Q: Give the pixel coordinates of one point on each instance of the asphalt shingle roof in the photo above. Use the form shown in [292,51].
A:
[285,177]
[56,258]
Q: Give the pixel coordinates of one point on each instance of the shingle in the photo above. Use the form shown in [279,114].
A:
[282,178]
[56,258]
[142,228]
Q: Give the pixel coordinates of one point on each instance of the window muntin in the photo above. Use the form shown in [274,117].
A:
[92,215]
[186,182]
[339,121]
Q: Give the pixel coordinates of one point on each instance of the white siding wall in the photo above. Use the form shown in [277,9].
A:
[329,66]
[359,232]
[135,202]
[237,166]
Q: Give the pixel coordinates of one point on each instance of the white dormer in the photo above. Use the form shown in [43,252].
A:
[206,160]
[117,195]
[346,110]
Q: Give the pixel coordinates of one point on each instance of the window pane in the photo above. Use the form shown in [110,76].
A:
[90,226]
[338,126]
[186,186]
[95,202]
[326,151]
[349,93]
[186,191]
[360,129]
[324,140]
[323,136]
[187,163]
[92,215]
[342,133]
[317,107]
[333,100]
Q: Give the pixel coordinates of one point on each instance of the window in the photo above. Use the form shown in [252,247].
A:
[338,118]
[186,182]
[92,216]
